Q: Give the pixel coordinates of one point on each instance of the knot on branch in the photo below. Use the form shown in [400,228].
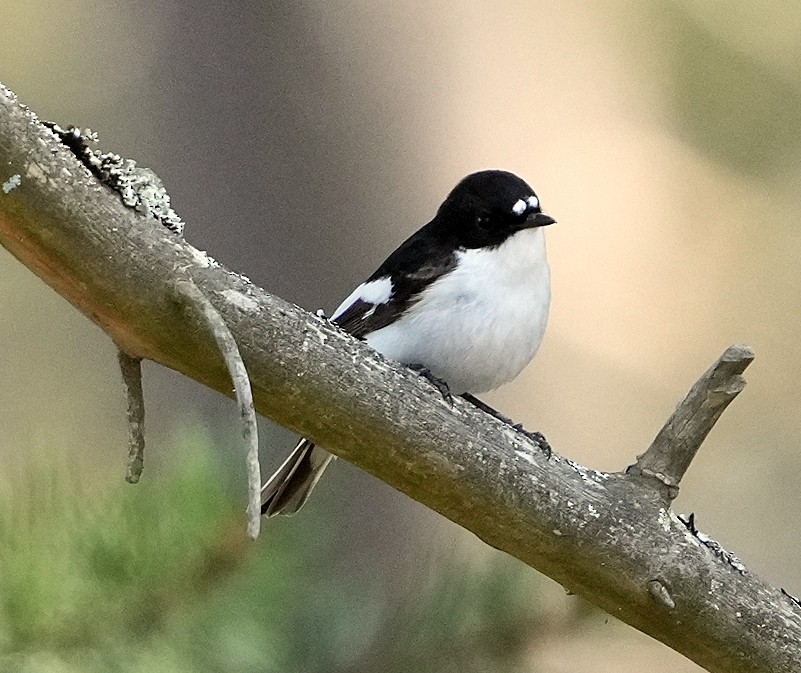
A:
[661,595]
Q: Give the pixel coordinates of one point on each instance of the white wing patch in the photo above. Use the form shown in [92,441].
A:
[375,292]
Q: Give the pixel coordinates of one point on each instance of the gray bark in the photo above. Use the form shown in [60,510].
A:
[131,370]
[610,538]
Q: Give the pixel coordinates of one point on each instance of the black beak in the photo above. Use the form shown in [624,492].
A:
[538,220]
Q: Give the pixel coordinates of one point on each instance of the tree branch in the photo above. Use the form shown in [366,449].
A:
[676,444]
[607,537]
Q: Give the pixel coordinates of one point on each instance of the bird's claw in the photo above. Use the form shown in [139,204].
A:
[537,437]
[438,383]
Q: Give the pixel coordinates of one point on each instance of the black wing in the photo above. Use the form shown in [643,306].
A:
[417,263]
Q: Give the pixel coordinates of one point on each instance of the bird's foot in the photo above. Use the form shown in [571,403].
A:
[438,383]
[537,437]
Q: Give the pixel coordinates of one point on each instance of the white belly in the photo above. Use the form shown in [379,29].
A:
[479,326]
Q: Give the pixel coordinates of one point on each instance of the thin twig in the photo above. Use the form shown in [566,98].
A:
[244,396]
[131,369]
[674,448]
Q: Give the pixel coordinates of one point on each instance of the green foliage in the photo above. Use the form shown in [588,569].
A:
[469,619]
[77,565]
[160,577]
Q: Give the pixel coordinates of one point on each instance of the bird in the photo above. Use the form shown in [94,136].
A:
[464,301]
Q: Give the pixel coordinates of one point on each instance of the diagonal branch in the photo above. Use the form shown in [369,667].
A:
[607,537]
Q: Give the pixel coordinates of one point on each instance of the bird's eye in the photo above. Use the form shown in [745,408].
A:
[533,202]
[483,222]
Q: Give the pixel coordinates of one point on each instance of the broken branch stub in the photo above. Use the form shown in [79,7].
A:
[676,444]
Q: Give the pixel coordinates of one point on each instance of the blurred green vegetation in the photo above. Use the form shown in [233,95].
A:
[160,577]
[732,101]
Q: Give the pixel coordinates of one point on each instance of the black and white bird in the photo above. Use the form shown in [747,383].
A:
[465,298]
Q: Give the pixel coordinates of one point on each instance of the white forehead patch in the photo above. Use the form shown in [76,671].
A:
[520,207]
[533,202]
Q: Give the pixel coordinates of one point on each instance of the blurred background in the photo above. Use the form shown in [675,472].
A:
[301,142]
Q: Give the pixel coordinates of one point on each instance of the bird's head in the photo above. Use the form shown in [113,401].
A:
[488,207]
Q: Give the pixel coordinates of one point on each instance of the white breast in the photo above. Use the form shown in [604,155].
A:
[478,326]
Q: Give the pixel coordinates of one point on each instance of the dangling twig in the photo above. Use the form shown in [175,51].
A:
[131,369]
[244,396]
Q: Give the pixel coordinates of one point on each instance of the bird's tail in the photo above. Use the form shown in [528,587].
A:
[288,489]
